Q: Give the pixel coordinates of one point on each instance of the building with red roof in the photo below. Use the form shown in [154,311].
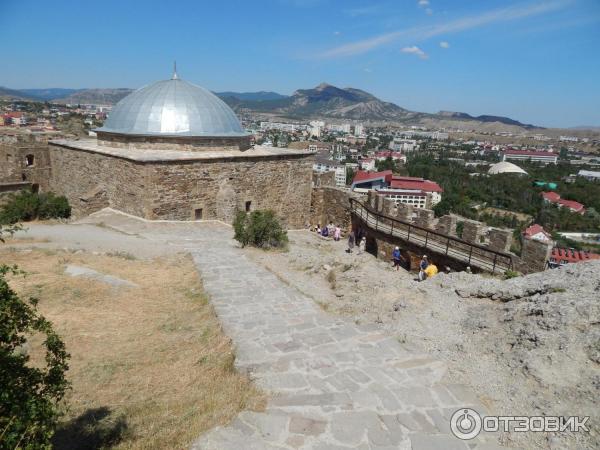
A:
[562,256]
[530,155]
[537,233]
[418,192]
[551,197]
[572,205]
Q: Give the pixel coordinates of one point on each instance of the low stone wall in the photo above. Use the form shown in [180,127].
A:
[534,254]
[332,204]
[188,143]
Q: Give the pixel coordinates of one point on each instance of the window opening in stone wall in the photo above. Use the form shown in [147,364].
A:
[198,214]
[248,206]
[29,160]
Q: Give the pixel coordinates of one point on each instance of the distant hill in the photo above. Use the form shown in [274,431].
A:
[326,100]
[483,118]
[322,101]
[49,93]
[95,96]
[12,94]
[252,96]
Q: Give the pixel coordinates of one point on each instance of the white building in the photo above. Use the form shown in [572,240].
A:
[359,129]
[367,164]
[589,175]
[403,145]
[322,164]
[528,155]
[289,127]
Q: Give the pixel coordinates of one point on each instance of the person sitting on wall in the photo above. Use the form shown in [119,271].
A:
[325,232]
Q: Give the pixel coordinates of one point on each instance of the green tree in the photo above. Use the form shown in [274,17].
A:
[29,393]
[259,229]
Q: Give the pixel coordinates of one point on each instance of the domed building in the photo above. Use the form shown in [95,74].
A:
[174,150]
[505,167]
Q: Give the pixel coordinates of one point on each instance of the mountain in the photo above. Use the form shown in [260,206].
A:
[49,93]
[13,94]
[252,96]
[95,96]
[111,96]
[322,101]
[483,118]
[326,100]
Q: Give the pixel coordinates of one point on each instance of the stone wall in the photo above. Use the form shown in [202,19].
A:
[25,158]
[81,175]
[207,189]
[332,204]
[188,143]
[220,187]
[534,256]
[323,179]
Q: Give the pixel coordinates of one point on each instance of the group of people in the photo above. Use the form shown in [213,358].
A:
[426,268]
[356,239]
[330,230]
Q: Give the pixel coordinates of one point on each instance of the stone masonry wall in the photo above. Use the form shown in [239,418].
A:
[14,150]
[178,191]
[332,204]
[221,187]
[82,176]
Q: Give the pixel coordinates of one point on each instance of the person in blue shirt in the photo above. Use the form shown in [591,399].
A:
[397,258]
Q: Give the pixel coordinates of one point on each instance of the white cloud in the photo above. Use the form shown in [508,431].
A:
[337,33]
[444,44]
[414,50]
[368,70]
[429,11]
[455,26]
[423,3]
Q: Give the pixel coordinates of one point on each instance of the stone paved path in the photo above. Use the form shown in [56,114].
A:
[332,384]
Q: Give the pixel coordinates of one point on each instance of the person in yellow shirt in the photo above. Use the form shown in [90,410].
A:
[431,270]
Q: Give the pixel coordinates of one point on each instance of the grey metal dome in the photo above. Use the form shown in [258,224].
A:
[173,108]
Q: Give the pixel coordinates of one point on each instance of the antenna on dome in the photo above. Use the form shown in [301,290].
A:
[174,77]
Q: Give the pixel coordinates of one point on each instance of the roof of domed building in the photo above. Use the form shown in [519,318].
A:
[505,167]
[173,108]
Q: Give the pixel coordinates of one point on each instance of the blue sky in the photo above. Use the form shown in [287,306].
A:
[534,61]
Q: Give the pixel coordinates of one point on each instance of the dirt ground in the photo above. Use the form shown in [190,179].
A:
[150,366]
[468,334]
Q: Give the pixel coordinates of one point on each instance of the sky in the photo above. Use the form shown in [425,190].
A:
[534,61]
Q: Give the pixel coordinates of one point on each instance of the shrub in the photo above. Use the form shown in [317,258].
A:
[27,205]
[259,229]
[30,392]
[511,274]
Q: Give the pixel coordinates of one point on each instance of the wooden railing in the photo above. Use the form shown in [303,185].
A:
[474,255]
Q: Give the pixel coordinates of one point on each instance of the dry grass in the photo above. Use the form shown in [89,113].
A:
[150,366]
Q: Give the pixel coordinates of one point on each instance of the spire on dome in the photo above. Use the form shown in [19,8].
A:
[174,77]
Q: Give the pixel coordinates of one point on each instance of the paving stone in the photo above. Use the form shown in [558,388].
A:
[304,425]
[331,384]
[421,441]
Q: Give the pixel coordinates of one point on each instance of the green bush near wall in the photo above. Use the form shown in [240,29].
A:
[27,205]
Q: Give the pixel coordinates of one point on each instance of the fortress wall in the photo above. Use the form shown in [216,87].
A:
[177,190]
